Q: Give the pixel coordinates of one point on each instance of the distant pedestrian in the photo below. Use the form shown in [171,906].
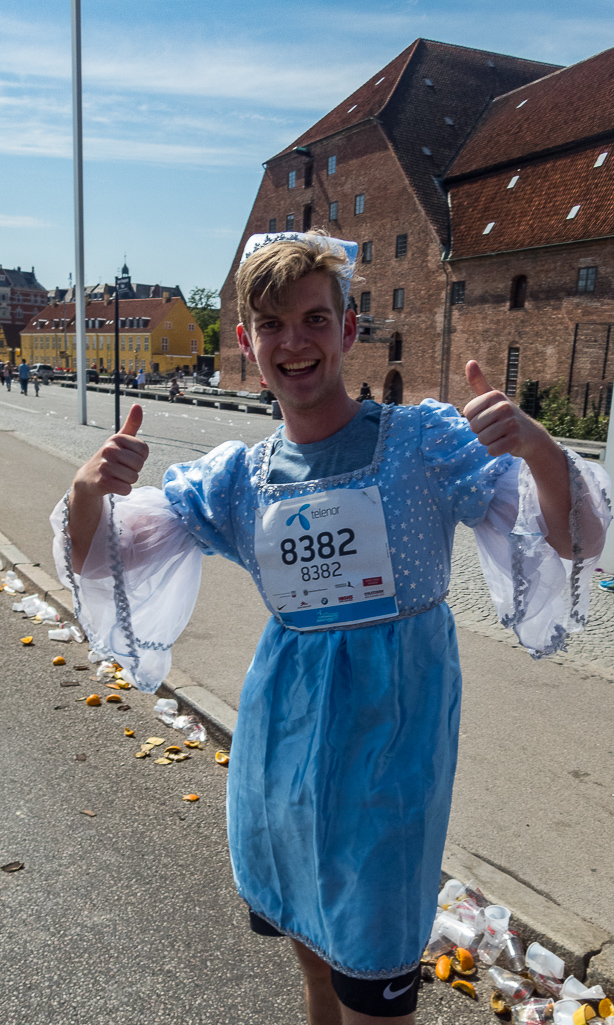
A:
[365,392]
[173,390]
[36,381]
[140,380]
[24,376]
[7,376]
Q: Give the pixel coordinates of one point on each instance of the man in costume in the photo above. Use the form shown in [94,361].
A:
[343,758]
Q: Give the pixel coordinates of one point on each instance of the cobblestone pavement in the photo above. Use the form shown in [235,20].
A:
[473,609]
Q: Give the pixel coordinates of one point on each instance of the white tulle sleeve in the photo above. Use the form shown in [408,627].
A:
[539,595]
[139,583]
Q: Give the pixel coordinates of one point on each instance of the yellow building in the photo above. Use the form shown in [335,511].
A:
[155,335]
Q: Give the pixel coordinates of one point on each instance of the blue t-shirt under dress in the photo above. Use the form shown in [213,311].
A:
[344,753]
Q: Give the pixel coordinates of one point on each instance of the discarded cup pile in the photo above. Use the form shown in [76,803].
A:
[40,612]
[529,986]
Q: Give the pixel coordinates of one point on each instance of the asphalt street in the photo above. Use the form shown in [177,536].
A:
[128,914]
[535,786]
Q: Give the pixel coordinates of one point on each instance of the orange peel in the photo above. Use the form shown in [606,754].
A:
[93,699]
[26,640]
[128,733]
[465,959]
[114,698]
[443,968]
[190,797]
[583,1015]
[59,660]
[606,1008]
[465,987]
[222,757]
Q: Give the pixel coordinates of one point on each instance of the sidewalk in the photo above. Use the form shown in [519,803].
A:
[534,797]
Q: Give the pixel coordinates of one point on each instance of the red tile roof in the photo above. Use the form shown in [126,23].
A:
[534,212]
[562,109]
[413,112]
[364,103]
[154,309]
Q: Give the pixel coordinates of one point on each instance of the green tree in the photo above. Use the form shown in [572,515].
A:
[557,413]
[211,335]
[203,304]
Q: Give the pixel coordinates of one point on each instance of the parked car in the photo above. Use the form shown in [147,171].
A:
[214,380]
[44,370]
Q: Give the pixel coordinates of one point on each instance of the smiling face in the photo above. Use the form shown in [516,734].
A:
[299,345]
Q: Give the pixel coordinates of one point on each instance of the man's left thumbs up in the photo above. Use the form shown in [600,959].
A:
[496,420]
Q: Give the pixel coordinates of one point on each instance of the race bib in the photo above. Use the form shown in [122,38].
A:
[324,559]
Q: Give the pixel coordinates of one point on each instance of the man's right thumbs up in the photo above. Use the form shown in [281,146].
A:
[115,468]
[133,421]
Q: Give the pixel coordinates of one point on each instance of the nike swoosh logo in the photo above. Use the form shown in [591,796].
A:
[390,994]
[280,607]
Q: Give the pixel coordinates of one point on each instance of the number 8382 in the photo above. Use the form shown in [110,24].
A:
[323,546]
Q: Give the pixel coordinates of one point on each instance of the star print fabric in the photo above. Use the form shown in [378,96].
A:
[344,753]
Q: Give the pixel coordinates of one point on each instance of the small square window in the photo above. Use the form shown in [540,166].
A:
[359,203]
[601,159]
[488,228]
[458,293]
[587,277]
[194,345]
[398,299]
[123,344]
[292,180]
[573,212]
[367,252]
[513,181]
[332,165]
[164,346]
[401,246]
[333,211]
[365,302]
[191,327]
[289,222]
[273,224]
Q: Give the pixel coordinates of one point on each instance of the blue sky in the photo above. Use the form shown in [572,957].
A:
[184,99]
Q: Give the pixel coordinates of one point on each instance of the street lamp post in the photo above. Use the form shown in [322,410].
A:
[117,423]
[78,178]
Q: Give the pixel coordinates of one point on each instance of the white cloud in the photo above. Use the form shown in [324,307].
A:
[15,221]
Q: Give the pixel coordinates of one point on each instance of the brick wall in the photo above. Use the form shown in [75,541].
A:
[365,165]
[484,326]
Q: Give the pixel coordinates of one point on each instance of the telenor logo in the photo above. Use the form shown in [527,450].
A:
[304,522]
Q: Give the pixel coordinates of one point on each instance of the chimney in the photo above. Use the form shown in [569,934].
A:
[166,297]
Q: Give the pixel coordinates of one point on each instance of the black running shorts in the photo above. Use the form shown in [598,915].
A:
[383,998]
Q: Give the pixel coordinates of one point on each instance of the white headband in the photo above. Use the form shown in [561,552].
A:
[345,272]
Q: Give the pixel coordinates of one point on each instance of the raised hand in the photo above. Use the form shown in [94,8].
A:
[115,468]
[498,422]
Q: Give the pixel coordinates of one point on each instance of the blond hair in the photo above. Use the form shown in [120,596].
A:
[266,274]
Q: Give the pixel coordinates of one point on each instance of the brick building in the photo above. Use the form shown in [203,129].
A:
[371,170]
[21,296]
[531,198]
[154,335]
[414,166]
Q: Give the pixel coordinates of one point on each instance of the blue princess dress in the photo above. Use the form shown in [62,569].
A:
[343,758]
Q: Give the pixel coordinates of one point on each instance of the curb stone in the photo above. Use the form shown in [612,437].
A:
[588,951]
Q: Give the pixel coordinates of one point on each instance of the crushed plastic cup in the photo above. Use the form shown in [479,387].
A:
[17,606]
[449,893]
[166,709]
[14,582]
[573,989]
[49,614]
[544,961]
[76,633]
[61,634]
[31,604]
[513,952]
[546,985]
[496,921]
[468,911]
[461,933]
[105,669]
[94,656]
[511,986]
[534,1011]
[564,1011]
[197,733]
[472,891]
